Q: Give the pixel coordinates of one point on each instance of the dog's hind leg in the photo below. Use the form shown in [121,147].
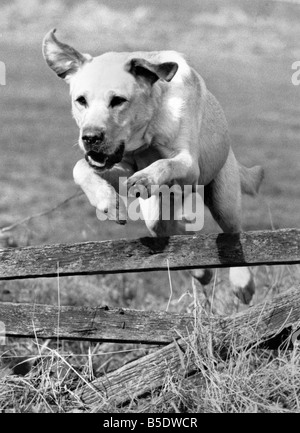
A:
[204,276]
[223,198]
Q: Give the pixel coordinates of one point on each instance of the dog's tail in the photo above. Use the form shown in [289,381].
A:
[251,179]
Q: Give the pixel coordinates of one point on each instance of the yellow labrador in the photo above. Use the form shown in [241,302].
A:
[148,117]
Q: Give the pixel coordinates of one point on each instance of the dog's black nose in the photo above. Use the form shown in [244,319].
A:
[93,138]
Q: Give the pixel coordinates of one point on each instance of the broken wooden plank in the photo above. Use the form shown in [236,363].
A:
[187,386]
[144,375]
[137,377]
[150,254]
[93,324]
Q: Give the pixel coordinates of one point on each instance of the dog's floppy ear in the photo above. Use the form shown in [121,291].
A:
[63,59]
[152,72]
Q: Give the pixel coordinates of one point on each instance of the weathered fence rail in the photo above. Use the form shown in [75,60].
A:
[98,323]
[152,254]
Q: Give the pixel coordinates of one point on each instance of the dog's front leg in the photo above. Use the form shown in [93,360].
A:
[102,190]
[182,168]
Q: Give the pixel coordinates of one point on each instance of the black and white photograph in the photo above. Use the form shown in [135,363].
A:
[150,209]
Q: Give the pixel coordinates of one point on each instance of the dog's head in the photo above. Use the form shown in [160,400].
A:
[112,97]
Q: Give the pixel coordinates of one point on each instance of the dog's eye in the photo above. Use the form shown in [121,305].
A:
[117,100]
[81,101]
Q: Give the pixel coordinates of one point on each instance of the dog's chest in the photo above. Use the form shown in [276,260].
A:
[142,158]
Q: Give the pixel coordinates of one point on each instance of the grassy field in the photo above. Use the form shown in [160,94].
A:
[244,50]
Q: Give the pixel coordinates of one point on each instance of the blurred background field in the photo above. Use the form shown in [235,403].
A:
[244,49]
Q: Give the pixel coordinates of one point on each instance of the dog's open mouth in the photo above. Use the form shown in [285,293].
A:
[103,161]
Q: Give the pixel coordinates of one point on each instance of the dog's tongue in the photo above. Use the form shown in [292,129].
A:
[102,160]
[97,164]
[97,159]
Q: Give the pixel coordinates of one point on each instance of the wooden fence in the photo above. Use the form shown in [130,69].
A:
[270,321]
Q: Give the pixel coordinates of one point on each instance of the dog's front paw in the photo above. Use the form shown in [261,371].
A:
[141,184]
[101,195]
[113,209]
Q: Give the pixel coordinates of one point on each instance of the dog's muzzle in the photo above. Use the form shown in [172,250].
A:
[103,161]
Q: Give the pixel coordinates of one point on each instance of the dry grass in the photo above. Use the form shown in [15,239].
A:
[37,376]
